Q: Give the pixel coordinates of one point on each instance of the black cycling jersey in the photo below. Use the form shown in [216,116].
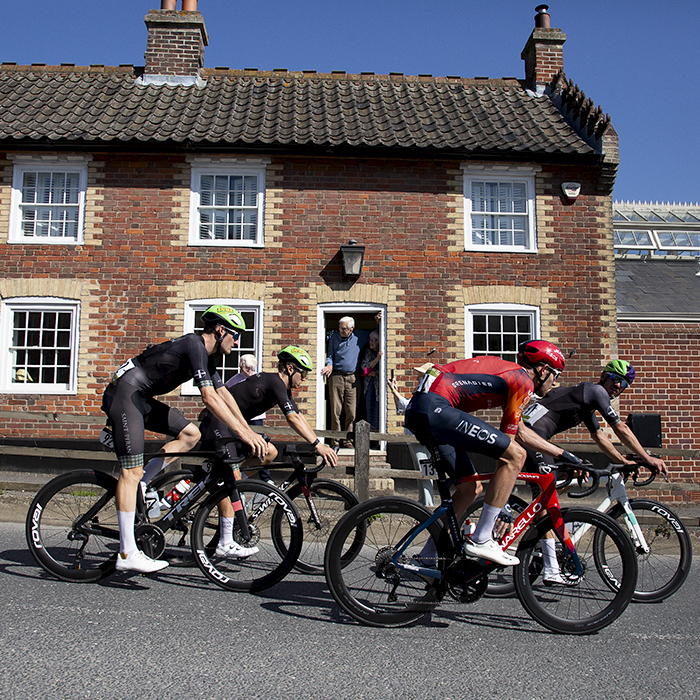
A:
[260,392]
[566,407]
[129,399]
[254,395]
[164,367]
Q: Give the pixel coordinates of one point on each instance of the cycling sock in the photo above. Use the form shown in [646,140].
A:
[428,555]
[127,539]
[484,528]
[549,556]
[225,531]
[153,467]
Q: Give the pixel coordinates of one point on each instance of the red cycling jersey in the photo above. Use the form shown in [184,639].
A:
[486,382]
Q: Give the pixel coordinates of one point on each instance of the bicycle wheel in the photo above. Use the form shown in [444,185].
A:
[72,528]
[665,568]
[501,579]
[178,549]
[331,500]
[370,588]
[587,603]
[270,564]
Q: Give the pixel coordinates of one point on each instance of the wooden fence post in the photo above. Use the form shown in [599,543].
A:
[362,460]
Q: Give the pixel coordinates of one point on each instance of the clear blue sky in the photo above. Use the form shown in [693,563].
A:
[639,60]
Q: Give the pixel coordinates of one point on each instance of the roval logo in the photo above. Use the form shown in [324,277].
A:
[663,512]
[36,537]
[207,565]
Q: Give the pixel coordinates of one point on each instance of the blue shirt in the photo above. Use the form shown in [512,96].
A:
[344,353]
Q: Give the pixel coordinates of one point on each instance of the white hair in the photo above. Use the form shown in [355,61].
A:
[349,320]
[250,361]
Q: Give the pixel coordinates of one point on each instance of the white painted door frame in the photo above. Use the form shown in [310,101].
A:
[348,309]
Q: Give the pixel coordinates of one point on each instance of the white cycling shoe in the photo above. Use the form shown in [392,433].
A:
[235,551]
[557,580]
[139,562]
[491,551]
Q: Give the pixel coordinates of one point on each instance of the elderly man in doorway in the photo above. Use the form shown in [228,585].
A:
[342,359]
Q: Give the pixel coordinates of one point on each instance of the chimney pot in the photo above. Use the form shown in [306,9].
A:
[168,4]
[542,17]
[189,5]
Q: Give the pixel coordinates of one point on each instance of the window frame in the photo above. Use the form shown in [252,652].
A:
[497,309]
[8,308]
[200,169]
[193,305]
[527,179]
[16,233]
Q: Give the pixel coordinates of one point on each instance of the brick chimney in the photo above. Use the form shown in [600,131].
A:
[176,40]
[544,52]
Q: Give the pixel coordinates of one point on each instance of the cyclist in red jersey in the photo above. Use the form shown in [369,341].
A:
[441,411]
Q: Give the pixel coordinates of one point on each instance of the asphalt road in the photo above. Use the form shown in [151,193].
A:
[176,636]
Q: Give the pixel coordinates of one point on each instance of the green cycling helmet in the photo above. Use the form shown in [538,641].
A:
[297,355]
[227,316]
[621,368]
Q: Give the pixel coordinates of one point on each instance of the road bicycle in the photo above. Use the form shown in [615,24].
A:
[321,503]
[388,585]
[661,541]
[73,534]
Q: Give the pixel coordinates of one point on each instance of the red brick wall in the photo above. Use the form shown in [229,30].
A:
[402,210]
[666,357]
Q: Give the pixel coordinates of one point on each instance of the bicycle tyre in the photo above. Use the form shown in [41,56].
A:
[589,603]
[501,583]
[368,588]
[332,501]
[71,527]
[664,570]
[269,565]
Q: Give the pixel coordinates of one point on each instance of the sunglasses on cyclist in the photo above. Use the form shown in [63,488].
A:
[554,372]
[617,379]
[235,334]
[303,372]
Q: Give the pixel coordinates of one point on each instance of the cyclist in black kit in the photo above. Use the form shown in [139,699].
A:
[131,408]
[258,394]
[566,407]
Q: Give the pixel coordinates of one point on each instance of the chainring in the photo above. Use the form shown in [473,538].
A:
[466,581]
[150,539]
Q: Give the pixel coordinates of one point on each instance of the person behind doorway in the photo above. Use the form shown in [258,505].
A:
[342,358]
[370,379]
[131,409]
[248,366]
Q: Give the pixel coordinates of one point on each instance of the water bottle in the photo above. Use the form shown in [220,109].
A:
[152,503]
[181,488]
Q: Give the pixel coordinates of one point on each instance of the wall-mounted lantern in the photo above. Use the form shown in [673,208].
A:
[353,257]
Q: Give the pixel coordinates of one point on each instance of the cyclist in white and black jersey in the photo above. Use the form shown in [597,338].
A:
[566,407]
[131,408]
[255,395]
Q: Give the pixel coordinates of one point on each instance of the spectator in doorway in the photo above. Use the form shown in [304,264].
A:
[342,359]
[370,376]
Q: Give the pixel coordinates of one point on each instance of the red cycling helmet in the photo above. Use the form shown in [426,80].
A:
[536,351]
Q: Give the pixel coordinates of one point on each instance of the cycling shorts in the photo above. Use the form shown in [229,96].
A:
[432,418]
[130,413]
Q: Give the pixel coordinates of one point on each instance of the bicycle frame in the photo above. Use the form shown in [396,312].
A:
[547,500]
[617,492]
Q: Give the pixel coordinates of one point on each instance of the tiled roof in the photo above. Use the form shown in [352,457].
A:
[252,107]
[665,290]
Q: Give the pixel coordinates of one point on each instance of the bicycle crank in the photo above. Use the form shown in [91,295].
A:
[150,539]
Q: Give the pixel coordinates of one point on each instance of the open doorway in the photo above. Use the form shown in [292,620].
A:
[365,317]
